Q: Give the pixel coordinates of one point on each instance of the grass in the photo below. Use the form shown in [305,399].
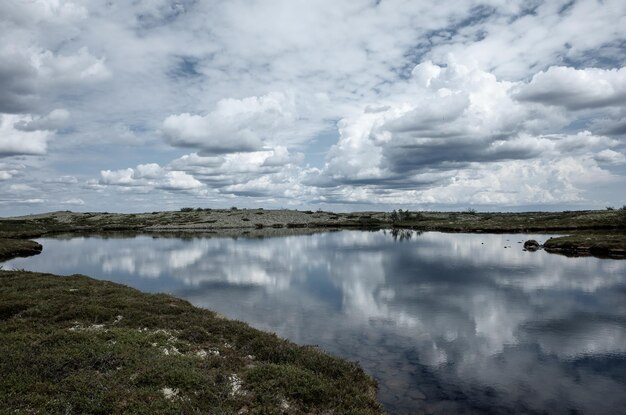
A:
[11,248]
[78,345]
[611,245]
[471,221]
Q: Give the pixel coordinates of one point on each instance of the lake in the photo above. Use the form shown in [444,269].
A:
[446,323]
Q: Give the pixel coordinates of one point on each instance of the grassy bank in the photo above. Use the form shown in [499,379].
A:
[610,224]
[582,244]
[78,345]
[11,248]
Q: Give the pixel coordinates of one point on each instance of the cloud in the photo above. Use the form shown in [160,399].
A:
[576,89]
[513,41]
[10,170]
[38,63]
[147,171]
[444,118]
[179,180]
[17,82]
[150,176]
[235,125]
[610,157]
[456,134]
[79,67]
[67,179]
[391,99]
[73,201]
[117,177]
[39,11]
[55,120]
[16,142]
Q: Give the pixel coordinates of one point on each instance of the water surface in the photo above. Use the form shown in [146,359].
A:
[447,323]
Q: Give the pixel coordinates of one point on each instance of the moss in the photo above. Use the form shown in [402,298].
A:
[78,345]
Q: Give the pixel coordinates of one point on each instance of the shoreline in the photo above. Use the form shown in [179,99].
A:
[587,233]
[81,345]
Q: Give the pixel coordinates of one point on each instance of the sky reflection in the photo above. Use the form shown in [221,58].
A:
[445,322]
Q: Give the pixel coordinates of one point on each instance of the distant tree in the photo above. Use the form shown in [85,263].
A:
[394,216]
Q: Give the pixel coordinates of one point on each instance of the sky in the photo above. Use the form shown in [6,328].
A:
[150,105]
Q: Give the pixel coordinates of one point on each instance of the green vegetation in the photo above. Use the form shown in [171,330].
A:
[472,221]
[600,245]
[75,345]
[11,248]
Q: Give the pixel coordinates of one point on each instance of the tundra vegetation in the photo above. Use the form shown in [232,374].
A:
[82,346]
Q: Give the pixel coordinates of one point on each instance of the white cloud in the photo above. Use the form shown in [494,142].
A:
[38,11]
[611,157]
[73,201]
[70,69]
[16,142]
[258,91]
[235,125]
[148,171]
[117,177]
[179,180]
[576,89]
[455,134]
[445,116]
[10,170]
[515,43]
[150,176]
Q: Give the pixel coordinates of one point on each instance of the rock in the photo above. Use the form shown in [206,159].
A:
[531,245]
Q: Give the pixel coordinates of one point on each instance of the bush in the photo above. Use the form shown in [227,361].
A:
[186,209]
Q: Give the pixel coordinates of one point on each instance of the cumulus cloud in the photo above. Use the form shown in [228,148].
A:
[16,142]
[179,180]
[150,176]
[456,134]
[447,116]
[610,156]
[235,125]
[117,177]
[576,89]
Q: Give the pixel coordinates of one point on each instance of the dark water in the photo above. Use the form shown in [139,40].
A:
[447,323]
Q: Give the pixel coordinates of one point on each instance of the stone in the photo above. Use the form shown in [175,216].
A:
[531,245]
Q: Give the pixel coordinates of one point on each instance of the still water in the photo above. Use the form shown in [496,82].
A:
[447,323]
